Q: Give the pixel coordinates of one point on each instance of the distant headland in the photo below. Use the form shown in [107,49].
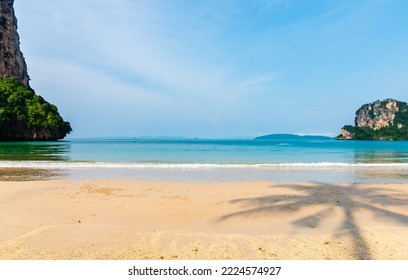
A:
[380,120]
[292,136]
[24,115]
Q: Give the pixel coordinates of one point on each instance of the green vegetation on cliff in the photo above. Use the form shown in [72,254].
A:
[385,133]
[25,115]
[402,115]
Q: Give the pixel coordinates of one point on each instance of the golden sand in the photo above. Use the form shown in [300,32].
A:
[113,219]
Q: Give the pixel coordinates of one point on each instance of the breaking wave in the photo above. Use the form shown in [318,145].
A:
[138,165]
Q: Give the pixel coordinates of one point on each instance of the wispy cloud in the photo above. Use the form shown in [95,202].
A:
[261,80]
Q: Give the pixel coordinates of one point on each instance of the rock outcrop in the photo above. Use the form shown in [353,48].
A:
[380,120]
[345,134]
[12,63]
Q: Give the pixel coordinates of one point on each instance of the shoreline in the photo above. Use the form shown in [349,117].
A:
[134,219]
[332,173]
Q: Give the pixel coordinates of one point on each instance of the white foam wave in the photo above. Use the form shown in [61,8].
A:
[133,165]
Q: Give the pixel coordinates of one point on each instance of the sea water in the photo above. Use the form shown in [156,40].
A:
[280,160]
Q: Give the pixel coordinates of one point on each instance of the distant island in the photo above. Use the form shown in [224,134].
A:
[161,138]
[292,136]
[380,120]
[24,115]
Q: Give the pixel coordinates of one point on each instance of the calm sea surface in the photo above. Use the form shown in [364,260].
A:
[208,160]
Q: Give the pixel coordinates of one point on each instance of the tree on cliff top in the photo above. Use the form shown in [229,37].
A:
[25,115]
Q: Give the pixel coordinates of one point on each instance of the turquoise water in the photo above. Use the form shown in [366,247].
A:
[208,151]
[221,159]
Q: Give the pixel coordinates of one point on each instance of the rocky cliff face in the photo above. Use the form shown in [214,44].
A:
[377,115]
[380,120]
[12,63]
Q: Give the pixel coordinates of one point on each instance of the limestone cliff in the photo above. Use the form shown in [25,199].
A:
[380,120]
[377,115]
[12,63]
[24,115]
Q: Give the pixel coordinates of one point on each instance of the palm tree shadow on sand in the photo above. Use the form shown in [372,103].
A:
[349,198]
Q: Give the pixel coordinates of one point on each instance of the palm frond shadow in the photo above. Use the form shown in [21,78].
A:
[348,198]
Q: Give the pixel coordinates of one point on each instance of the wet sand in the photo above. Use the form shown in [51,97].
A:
[117,219]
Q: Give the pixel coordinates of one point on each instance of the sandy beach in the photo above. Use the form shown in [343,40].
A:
[114,219]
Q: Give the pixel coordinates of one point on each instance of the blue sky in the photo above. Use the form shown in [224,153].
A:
[213,69]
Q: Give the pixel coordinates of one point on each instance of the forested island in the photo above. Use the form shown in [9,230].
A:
[291,136]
